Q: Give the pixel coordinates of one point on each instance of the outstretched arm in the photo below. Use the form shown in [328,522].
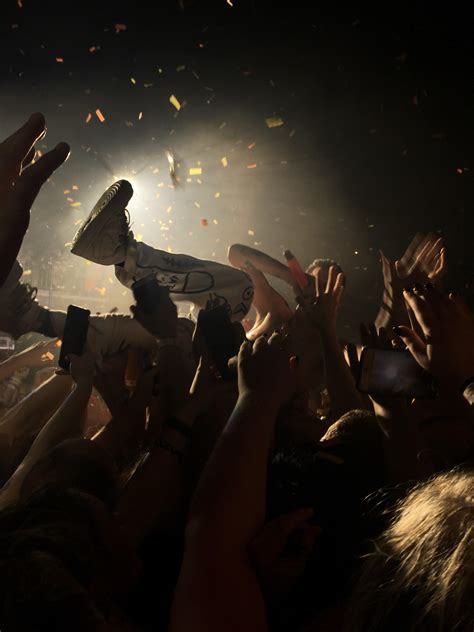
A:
[218,587]
[239,256]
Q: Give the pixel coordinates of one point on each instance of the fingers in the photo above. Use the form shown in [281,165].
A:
[423,313]
[245,350]
[29,158]
[415,345]
[35,176]
[17,146]
[318,282]
[331,282]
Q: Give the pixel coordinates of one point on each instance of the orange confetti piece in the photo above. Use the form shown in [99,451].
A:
[195,171]
[101,290]
[89,118]
[60,60]
[204,222]
[100,116]
[49,355]
[75,187]
[253,166]
[58,343]
[274,121]
[67,192]
[224,162]
[251,146]
[174,101]
[120,27]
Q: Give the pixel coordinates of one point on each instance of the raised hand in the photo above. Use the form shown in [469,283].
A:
[444,346]
[162,322]
[322,311]
[266,371]
[21,181]
[82,368]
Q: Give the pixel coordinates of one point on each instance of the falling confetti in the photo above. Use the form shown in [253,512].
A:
[76,204]
[89,118]
[60,60]
[133,81]
[100,116]
[195,171]
[230,3]
[49,356]
[27,273]
[140,116]
[224,162]
[253,166]
[251,146]
[59,343]
[180,68]
[274,121]
[251,232]
[197,205]
[75,187]
[217,195]
[120,27]
[174,101]
[20,4]
[101,290]
[204,222]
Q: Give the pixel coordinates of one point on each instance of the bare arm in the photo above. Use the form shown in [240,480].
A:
[239,255]
[218,588]
[34,356]
[64,424]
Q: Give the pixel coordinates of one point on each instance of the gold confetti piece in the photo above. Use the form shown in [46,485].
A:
[133,81]
[195,171]
[101,290]
[174,101]
[162,184]
[214,221]
[217,195]
[169,209]
[76,204]
[79,221]
[68,244]
[198,181]
[197,204]
[230,3]
[148,85]
[140,116]
[67,191]
[204,222]
[27,273]
[99,115]
[139,237]
[69,199]
[251,232]
[111,281]
[75,187]
[274,121]
[224,162]
[49,355]
[253,166]
[180,68]
[120,27]
[251,146]
[60,60]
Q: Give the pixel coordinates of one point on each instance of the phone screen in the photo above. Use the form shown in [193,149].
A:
[74,335]
[219,337]
[393,372]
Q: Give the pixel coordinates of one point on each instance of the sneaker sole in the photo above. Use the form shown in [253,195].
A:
[113,200]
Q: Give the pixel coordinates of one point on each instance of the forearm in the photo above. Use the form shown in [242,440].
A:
[28,416]
[393,311]
[235,478]
[9,367]
[10,244]
[239,254]
[340,384]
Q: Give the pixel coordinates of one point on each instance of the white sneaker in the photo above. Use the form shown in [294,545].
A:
[20,313]
[103,237]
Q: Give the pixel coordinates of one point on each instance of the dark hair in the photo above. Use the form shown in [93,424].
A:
[48,558]
[325,264]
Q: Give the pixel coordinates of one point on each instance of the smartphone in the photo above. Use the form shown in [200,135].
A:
[148,293]
[393,372]
[219,337]
[74,335]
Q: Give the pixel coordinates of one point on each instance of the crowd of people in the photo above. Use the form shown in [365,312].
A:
[275,492]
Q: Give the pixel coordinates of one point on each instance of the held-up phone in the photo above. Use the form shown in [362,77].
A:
[148,293]
[393,372]
[219,337]
[75,334]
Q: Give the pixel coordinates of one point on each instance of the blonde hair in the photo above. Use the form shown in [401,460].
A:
[420,575]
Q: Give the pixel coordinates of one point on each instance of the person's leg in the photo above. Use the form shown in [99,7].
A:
[189,279]
[105,238]
[21,313]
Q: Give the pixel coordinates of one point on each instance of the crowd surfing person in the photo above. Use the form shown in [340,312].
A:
[273,479]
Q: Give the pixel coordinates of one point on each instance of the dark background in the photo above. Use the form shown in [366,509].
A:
[377,139]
